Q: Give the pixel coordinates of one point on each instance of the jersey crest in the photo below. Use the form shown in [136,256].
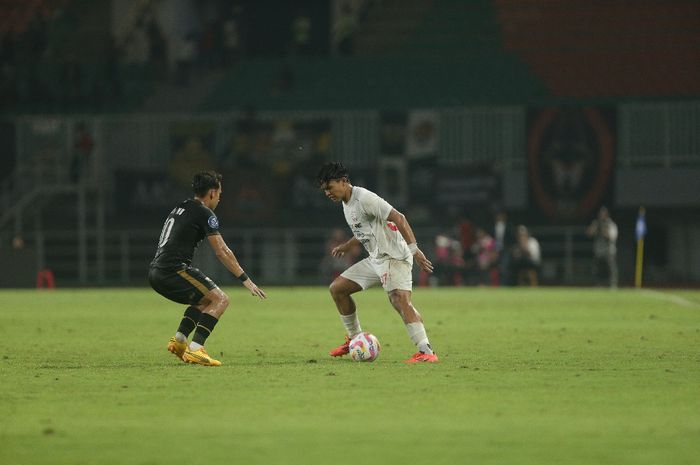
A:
[213,222]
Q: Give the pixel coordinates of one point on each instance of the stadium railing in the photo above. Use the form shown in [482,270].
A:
[275,256]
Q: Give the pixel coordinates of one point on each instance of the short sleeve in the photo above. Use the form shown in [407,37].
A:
[377,206]
[211,223]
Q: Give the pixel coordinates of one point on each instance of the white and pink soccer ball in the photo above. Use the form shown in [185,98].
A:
[364,347]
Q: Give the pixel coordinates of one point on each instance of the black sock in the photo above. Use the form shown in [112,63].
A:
[205,326]
[189,321]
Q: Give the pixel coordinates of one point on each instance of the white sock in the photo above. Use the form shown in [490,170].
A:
[180,337]
[351,323]
[416,331]
[195,347]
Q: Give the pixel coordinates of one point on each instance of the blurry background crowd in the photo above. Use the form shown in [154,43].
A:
[501,128]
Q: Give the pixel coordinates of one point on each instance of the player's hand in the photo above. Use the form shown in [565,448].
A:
[254,289]
[339,251]
[423,262]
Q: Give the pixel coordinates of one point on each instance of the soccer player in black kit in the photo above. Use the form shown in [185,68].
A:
[172,275]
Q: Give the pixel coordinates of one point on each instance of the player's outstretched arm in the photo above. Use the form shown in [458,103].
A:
[406,231]
[254,289]
[227,257]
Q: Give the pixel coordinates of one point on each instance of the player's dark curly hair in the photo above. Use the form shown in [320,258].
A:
[205,180]
[330,171]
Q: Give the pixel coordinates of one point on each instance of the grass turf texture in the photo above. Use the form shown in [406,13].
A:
[550,376]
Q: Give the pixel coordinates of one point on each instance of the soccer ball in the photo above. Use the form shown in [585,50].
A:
[364,347]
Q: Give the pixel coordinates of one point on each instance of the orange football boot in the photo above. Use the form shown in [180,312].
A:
[420,357]
[341,350]
[177,348]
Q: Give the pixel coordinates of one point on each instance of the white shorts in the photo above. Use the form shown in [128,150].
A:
[391,274]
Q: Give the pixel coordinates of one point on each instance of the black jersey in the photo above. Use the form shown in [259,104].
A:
[184,229]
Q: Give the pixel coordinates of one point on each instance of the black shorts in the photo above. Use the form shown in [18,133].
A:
[184,285]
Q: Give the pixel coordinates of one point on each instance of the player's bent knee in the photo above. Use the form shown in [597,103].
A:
[336,289]
[399,298]
[342,287]
[224,299]
[218,298]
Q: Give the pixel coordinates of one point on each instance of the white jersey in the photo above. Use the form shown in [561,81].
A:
[366,214]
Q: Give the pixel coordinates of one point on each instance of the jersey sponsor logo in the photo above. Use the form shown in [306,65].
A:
[213,222]
[392,226]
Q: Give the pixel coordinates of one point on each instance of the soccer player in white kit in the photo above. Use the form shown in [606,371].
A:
[391,244]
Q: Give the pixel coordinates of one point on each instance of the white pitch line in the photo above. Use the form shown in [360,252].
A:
[676,299]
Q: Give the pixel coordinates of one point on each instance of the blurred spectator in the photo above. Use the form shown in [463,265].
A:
[18,242]
[157,46]
[82,153]
[449,261]
[210,45]
[331,267]
[245,139]
[231,37]
[193,153]
[603,230]
[301,34]
[185,57]
[465,232]
[504,238]
[137,49]
[344,30]
[526,258]
[484,249]
[23,260]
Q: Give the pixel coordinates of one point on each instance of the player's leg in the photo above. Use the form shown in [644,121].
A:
[341,290]
[189,322]
[401,301]
[613,273]
[178,343]
[600,271]
[189,286]
[212,305]
[398,282]
[171,286]
[354,279]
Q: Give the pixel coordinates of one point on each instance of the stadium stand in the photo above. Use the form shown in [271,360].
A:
[408,53]
[59,56]
[375,82]
[584,48]
[388,25]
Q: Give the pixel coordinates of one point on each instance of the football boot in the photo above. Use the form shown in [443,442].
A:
[421,357]
[177,348]
[342,349]
[200,357]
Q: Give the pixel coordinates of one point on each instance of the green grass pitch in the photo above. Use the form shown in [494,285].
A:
[546,376]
